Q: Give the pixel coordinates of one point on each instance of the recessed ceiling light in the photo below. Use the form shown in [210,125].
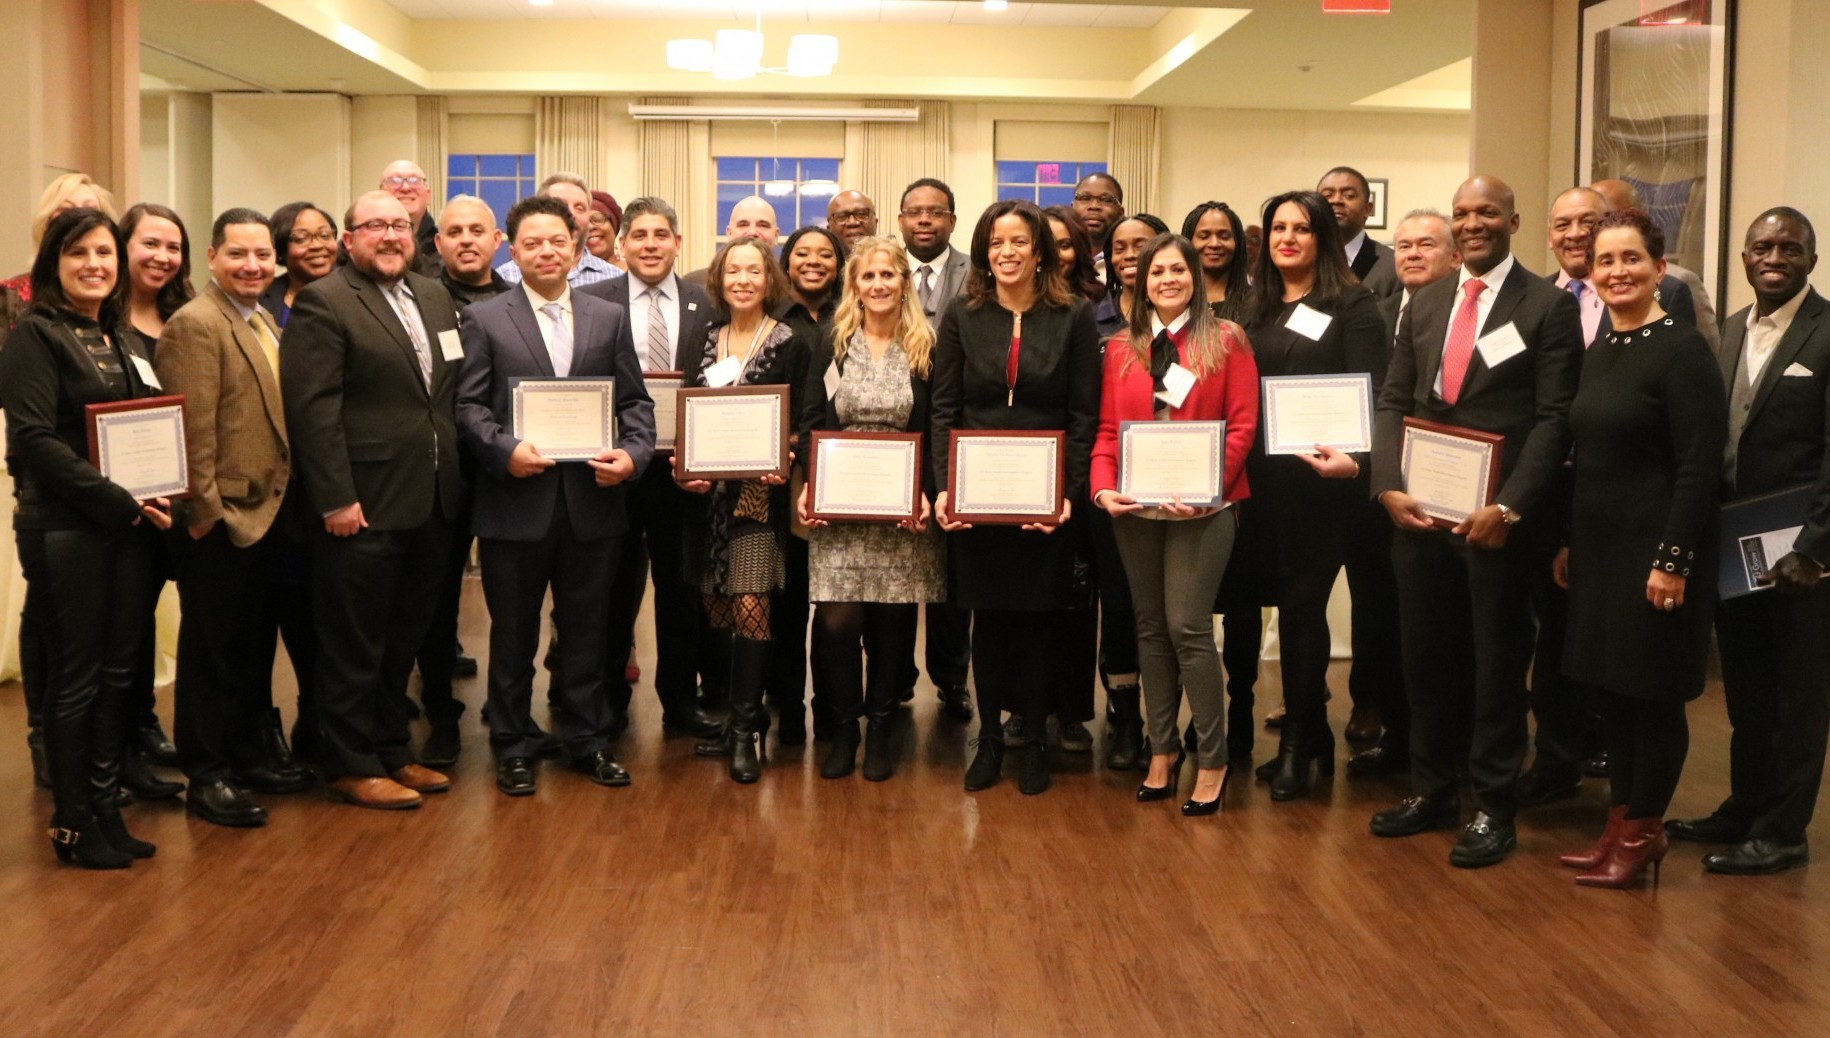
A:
[541,3]
[997,5]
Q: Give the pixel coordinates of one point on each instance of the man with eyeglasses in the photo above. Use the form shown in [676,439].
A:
[370,367]
[587,269]
[408,183]
[852,216]
[1100,201]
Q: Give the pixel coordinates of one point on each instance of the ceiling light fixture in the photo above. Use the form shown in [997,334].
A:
[733,54]
[997,5]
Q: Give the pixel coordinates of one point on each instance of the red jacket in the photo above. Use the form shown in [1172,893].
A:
[1230,395]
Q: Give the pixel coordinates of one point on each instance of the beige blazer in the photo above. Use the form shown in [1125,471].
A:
[234,421]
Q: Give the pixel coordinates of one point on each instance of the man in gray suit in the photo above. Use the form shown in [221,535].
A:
[926,218]
[540,521]
[1350,195]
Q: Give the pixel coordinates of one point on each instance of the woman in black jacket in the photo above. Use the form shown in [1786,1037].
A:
[1020,352]
[85,544]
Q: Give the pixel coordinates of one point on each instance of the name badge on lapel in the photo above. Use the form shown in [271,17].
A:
[450,346]
[1500,345]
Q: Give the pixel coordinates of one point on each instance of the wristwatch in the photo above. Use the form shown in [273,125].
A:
[1508,516]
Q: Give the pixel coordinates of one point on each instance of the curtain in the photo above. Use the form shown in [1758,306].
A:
[432,138]
[882,158]
[676,163]
[1135,154]
[568,134]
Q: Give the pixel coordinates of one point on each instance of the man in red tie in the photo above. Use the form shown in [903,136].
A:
[1499,350]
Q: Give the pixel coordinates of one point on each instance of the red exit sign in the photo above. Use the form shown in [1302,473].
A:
[1356,6]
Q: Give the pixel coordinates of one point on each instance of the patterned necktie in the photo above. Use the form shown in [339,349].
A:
[559,344]
[1576,285]
[926,289]
[403,308]
[269,347]
[1459,352]
[660,352]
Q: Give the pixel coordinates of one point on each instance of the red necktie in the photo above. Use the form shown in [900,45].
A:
[1460,351]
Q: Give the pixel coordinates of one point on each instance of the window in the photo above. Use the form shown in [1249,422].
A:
[798,188]
[1044,183]
[500,180]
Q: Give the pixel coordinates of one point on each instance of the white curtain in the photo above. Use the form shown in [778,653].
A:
[677,167]
[882,158]
[1135,156]
[568,134]
[432,138]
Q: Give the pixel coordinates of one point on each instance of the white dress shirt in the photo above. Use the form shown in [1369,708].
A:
[1354,245]
[541,318]
[1764,333]
[1483,305]
[669,292]
[939,267]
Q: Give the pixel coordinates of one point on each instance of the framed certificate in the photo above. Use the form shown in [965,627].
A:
[864,476]
[1006,476]
[734,432]
[1301,411]
[139,445]
[1451,471]
[1164,462]
[1756,533]
[664,389]
[568,419]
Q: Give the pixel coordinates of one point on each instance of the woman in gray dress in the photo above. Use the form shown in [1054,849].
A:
[869,579]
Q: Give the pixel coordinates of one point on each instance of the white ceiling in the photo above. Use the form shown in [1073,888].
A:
[791,12]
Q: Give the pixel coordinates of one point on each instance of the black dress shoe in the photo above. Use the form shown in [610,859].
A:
[602,769]
[987,762]
[1758,858]
[515,776]
[955,703]
[137,778]
[1541,785]
[1713,829]
[550,746]
[463,665]
[695,722]
[1416,815]
[264,778]
[156,745]
[1032,768]
[443,743]
[1485,841]
[221,802]
[1379,760]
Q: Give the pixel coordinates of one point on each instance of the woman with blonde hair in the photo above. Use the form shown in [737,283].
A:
[70,191]
[869,579]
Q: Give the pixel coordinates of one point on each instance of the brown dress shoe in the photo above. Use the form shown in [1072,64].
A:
[383,794]
[422,779]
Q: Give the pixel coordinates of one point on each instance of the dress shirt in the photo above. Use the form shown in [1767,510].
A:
[1354,245]
[1764,333]
[270,347]
[1589,302]
[589,270]
[669,291]
[938,265]
[1483,305]
[545,320]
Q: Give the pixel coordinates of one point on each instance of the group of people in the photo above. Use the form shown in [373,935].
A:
[350,429]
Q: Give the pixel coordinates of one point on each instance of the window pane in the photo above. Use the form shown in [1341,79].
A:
[819,169]
[1011,191]
[738,168]
[498,165]
[1016,172]
[460,165]
[1055,195]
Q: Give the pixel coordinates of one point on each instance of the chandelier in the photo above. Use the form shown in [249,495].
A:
[738,53]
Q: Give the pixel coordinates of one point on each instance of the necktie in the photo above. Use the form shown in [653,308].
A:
[660,353]
[1460,349]
[403,308]
[269,348]
[1576,285]
[559,344]
[926,289]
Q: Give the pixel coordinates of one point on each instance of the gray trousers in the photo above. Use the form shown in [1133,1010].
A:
[1174,567]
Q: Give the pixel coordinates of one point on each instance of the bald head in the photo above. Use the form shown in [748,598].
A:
[852,216]
[754,217]
[406,181]
[1618,193]
[1484,219]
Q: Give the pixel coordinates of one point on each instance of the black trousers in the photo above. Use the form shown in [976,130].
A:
[949,645]
[1377,678]
[437,656]
[1776,676]
[1033,664]
[885,632]
[789,611]
[1560,706]
[652,546]
[226,645]
[373,599]
[291,601]
[1117,621]
[1301,596]
[516,576]
[1467,634]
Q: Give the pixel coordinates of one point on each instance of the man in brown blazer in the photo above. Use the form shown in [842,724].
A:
[221,351]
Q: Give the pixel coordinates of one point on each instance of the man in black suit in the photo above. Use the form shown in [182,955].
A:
[1775,645]
[544,521]
[1350,196]
[1497,349]
[408,183]
[370,367]
[926,218]
[665,317]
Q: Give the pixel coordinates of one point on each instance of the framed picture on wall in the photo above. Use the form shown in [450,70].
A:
[1377,188]
[1653,111]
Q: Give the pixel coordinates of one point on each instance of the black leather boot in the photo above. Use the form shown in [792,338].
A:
[114,829]
[749,719]
[842,757]
[1304,749]
[1125,731]
[138,778]
[41,764]
[879,753]
[70,742]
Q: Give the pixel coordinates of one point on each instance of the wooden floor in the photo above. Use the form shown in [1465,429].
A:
[688,905]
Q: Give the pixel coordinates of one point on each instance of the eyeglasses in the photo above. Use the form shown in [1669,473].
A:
[1089,198]
[384,226]
[853,215]
[919,211]
[404,181]
[307,237]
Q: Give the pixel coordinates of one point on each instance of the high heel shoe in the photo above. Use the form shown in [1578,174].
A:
[1642,843]
[85,846]
[1193,808]
[1151,794]
[114,829]
[1610,834]
[1300,753]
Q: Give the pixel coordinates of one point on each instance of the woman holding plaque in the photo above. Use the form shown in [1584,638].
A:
[306,239]
[1175,554]
[868,579]
[733,551]
[1309,317]
[1020,352]
[85,543]
[1650,422]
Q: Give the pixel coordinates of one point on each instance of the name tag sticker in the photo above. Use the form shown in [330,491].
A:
[832,380]
[145,371]
[450,345]
[723,373]
[1177,381]
[1500,345]
[1308,322]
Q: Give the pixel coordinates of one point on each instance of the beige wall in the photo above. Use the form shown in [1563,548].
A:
[270,149]
[382,130]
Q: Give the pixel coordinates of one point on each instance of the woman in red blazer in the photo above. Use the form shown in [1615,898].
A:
[1174,554]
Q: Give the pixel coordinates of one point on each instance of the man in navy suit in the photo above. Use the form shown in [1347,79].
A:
[540,522]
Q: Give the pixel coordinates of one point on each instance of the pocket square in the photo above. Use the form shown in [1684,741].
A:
[1797,371]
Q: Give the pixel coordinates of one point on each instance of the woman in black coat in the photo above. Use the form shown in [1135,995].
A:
[1020,352]
[1309,317]
[1650,422]
[87,547]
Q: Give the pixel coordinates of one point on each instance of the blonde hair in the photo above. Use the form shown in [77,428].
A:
[58,192]
[912,328]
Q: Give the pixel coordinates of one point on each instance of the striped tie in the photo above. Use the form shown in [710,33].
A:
[660,352]
[560,345]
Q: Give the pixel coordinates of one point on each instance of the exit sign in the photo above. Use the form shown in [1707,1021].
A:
[1356,6]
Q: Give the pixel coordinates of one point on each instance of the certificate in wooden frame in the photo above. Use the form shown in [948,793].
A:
[664,385]
[106,421]
[962,511]
[523,390]
[687,462]
[831,508]
[1486,444]
[1130,437]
